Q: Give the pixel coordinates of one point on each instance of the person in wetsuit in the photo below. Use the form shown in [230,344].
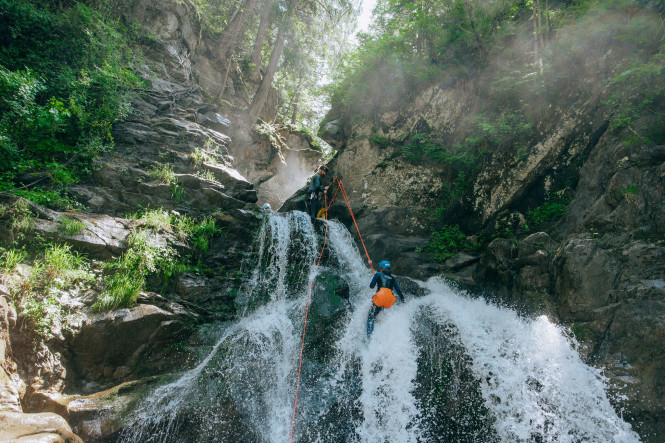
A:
[383,298]
[313,197]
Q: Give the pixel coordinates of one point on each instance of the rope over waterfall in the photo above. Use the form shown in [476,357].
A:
[443,367]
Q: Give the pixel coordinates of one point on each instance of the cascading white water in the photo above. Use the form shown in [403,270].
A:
[530,378]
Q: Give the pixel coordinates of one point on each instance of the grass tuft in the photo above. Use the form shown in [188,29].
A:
[127,275]
[70,226]
[163,173]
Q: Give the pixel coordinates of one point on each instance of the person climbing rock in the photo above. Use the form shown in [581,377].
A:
[384,297]
[313,196]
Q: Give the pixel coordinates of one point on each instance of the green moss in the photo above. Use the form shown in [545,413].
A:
[632,189]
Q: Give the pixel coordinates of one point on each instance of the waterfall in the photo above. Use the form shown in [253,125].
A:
[444,366]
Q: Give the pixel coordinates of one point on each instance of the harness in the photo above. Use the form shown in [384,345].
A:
[384,296]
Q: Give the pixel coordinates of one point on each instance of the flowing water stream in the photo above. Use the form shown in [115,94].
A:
[444,366]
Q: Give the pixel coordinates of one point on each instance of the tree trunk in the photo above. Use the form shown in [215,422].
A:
[232,31]
[264,88]
[469,12]
[547,21]
[536,33]
[229,62]
[294,116]
[264,25]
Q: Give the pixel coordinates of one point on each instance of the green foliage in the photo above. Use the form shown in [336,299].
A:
[214,16]
[163,173]
[17,217]
[126,276]
[53,198]
[38,299]
[638,89]
[70,226]
[314,140]
[41,312]
[177,192]
[11,258]
[207,175]
[157,219]
[64,80]
[415,44]
[379,140]
[553,208]
[60,267]
[198,234]
[446,242]
[199,156]
[632,189]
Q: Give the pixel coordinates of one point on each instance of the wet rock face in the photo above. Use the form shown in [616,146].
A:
[279,165]
[11,385]
[611,296]
[521,270]
[447,390]
[599,269]
[329,304]
[44,427]
[114,345]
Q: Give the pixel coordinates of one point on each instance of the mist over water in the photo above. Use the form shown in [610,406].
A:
[442,367]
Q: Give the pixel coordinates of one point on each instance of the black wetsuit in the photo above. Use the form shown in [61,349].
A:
[312,198]
[381,280]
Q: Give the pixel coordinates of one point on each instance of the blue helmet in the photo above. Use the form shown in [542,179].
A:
[385,264]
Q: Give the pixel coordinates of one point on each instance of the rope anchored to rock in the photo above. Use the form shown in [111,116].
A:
[340,186]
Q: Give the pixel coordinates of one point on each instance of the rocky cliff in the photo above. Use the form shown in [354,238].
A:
[71,371]
[598,269]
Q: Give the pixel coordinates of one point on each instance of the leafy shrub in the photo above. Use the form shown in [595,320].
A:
[17,217]
[127,275]
[64,80]
[379,140]
[446,242]
[554,207]
[52,198]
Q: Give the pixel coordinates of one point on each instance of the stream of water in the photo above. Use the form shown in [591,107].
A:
[444,366]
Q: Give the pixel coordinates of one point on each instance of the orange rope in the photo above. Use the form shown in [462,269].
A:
[346,198]
[304,330]
[311,284]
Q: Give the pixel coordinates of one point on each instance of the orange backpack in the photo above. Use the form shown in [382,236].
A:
[384,298]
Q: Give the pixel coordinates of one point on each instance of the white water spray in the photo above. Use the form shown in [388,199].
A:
[531,379]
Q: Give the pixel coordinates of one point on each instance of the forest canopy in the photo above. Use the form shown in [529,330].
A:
[68,72]
[524,60]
